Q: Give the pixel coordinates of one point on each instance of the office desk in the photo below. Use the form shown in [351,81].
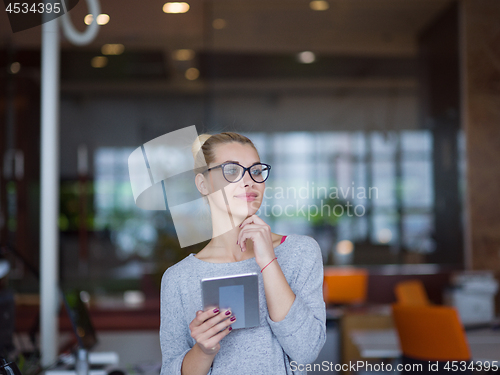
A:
[111,317]
[373,317]
[384,343]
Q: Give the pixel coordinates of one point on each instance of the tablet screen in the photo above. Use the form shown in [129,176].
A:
[233,297]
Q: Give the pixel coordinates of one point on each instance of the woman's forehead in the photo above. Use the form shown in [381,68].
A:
[238,153]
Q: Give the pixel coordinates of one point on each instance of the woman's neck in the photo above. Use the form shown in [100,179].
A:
[215,252]
[225,248]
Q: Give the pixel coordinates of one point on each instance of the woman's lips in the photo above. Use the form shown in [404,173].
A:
[248,197]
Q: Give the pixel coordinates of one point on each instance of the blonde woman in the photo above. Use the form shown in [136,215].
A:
[292,329]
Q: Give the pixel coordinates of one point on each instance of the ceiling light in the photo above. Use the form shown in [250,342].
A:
[102,19]
[306,57]
[183,54]
[133,297]
[88,19]
[219,23]
[15,67]
[319,5]
[192,74]
[99,62]
[112,49]
[176,7]
[384,235]
[345,247]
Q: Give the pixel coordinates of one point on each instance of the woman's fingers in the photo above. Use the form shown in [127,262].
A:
[212,336]
[220,326]
[209,327]
[249,233]
[252,219]
[213,322]
[253,232]
[216,320]
[202,316]
[214,340]
[200,324]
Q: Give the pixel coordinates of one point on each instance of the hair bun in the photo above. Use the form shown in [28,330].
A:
[198,143]
[199,158]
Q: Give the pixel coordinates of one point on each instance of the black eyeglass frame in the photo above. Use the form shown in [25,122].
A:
[244,171]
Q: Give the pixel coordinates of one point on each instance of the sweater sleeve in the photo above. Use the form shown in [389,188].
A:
[174,333]
[302,333]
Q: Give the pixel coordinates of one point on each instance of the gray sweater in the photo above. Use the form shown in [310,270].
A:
[273,348]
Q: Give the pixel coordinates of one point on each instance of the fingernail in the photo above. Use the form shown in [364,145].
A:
[228,312]
[216,311]
[230,328]
[233,318]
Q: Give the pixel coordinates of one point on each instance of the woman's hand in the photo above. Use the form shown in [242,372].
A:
[209,327]
[256,229]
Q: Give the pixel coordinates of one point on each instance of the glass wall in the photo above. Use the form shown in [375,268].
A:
[352,158]
[372,188]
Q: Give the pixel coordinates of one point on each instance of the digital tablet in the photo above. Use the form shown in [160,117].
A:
[240,293]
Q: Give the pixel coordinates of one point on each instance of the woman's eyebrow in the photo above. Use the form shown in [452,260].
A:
[236,161]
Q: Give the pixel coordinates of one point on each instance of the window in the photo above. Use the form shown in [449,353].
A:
[379,184]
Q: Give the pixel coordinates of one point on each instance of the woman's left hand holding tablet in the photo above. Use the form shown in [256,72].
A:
[256,229]
[209,327]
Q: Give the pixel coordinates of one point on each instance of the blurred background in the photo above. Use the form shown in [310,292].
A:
[394,98]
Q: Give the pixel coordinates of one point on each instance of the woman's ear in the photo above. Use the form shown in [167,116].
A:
[201,184]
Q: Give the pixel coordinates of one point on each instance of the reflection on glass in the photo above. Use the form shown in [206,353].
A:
[417,231]
[417,184]
[356,173]
[416,141]
[384,229]
[131,229]
[384,181]
[383,145]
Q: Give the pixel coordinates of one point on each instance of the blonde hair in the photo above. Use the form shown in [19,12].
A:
[203,148]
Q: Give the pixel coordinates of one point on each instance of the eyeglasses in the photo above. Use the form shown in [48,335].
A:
[233,172]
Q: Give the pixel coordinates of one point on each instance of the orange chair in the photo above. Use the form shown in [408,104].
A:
[346,285]
[430,333]
[411,292]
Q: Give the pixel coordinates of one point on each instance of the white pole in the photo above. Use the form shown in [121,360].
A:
[49,213]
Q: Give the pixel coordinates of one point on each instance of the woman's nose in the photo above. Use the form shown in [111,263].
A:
[247,180]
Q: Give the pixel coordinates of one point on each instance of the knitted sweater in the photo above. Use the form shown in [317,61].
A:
[273,348]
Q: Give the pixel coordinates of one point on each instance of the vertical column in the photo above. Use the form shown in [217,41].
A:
[49,275]
[440,111]
[481,98]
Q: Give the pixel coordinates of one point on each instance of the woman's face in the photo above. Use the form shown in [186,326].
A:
[214,182]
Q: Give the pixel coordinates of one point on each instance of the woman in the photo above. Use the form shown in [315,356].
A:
[292,330]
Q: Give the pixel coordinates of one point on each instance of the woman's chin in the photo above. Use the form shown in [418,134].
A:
[241,215]
[247,207]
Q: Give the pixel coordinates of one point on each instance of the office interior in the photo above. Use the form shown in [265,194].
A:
[380,116]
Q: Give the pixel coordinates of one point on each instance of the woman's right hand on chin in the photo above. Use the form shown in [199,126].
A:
[209,327]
